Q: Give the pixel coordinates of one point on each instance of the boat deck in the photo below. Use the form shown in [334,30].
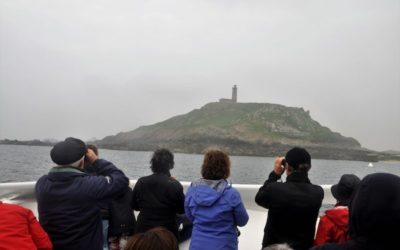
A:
[251,235]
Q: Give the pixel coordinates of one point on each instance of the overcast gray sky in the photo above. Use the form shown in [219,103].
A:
[95,68]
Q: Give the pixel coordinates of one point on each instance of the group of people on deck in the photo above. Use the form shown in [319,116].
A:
[86,203]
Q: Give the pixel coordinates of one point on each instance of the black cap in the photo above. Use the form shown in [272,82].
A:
[344,189]
[297,156]
[68,151]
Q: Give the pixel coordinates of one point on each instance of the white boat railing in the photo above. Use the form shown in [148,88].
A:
[251,235]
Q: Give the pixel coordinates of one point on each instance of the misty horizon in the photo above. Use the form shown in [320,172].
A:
[95,139]
[93,69]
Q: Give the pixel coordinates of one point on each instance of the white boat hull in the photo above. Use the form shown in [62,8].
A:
[251,235]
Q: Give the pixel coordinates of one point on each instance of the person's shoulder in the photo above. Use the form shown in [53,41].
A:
[318,192]
[337,211]
[14,207]
[317,188]
[278,185]
[43,177]
[232,192]
[173,179]
[41,180]
[174,182]
[143,178]
[148,179]
[232,196]
[231,189]
[151,179]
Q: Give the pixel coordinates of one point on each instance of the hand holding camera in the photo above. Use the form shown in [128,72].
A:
[280,165]
[90,156]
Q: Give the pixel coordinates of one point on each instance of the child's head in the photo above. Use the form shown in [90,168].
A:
[344,190]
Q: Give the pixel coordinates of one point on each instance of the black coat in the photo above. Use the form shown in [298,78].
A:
[159,198]
[293,209]
[116,210]
[121,217]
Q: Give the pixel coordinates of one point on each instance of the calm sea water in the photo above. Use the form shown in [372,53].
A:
[28,163]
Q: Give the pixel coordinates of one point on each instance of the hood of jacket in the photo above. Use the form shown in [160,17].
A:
[65,173]
[207,192]
[339,215]
[375,210]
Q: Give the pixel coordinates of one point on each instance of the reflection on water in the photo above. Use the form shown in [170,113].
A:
[28,163]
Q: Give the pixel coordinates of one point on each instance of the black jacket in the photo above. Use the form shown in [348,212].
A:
[68,200]
[159,198]
[292,210]
[116,210]
[374,218]
[121,217]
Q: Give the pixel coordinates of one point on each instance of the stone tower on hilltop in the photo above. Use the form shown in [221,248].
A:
[234,96]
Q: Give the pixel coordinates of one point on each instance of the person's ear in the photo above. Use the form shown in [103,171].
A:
[81,164]
[289,169]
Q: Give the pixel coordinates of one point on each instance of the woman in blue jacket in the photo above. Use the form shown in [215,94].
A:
[214,206]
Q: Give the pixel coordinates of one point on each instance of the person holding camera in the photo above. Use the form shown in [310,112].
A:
[117,216]
[293,205]
[68,198]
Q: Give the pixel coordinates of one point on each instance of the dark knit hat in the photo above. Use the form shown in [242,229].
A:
[68,151]
[297,156]
[345,188]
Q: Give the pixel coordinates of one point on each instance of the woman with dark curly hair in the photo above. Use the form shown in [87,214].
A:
[214,206]
[158,197]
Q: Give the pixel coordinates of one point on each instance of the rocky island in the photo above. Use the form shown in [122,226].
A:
[256,129]
[253,129]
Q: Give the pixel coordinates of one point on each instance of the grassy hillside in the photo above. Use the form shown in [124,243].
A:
[239,128]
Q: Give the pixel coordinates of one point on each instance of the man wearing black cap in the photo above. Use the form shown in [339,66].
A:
[68,198]
[293,205]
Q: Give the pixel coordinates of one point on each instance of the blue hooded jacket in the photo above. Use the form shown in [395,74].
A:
[216,209]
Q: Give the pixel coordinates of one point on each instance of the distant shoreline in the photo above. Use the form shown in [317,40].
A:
[380,156]
[27,143]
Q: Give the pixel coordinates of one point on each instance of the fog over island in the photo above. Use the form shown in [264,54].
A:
[95,68]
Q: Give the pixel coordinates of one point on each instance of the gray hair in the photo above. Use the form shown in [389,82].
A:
[284,246]
[76,164]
